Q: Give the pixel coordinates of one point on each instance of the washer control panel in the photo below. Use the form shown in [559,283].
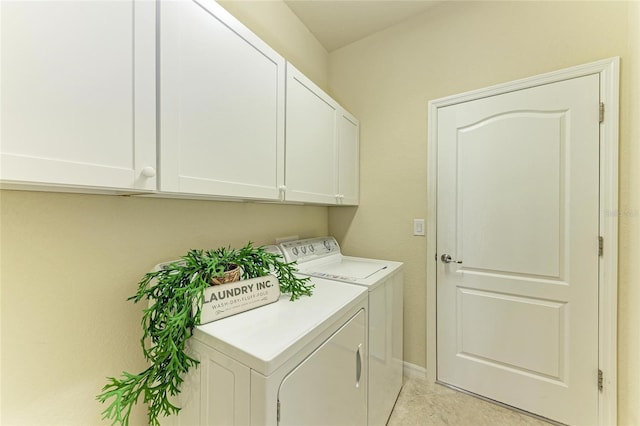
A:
[309,249]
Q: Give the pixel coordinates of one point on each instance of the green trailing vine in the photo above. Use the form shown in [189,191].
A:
[168,322]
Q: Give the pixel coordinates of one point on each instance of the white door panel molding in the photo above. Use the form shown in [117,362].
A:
[546,266]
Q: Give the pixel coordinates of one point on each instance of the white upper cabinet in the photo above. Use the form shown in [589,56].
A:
[348,159]
[221,105]
[78,94]
[311,163]
[79,109]
[322,146]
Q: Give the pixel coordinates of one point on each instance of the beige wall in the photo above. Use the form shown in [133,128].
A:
[274,22]
[629,246]
[68,262]
[387,79]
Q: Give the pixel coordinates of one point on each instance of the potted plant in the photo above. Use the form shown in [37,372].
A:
[169,319]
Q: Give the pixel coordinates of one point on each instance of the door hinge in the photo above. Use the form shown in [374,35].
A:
[600,246]
[600,380]
[278,415]
[601,112]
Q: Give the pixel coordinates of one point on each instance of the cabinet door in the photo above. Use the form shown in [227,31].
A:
[330,386]
[221,105]
[78,93]
[215,393]
[311,139]
[348,159]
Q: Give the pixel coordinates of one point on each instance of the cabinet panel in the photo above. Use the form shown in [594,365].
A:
[348,159]
[217,392]
[386,351]
[311,139]
[221,105]
[78,93]
[337,372]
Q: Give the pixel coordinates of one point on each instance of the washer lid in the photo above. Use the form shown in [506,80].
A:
[347,270]
[266,337]
[354,270]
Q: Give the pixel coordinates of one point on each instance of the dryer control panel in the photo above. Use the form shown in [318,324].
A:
[309,249]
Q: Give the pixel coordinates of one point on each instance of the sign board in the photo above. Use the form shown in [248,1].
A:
[224,300]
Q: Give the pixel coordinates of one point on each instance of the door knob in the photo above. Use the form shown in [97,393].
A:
[447,259]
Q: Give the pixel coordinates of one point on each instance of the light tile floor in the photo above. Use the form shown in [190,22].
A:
[422,403]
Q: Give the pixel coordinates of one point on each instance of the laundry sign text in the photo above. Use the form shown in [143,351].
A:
[223,300]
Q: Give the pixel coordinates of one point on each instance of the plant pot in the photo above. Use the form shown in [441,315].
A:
[233,274]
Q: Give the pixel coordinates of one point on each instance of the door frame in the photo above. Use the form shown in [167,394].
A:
[609,72]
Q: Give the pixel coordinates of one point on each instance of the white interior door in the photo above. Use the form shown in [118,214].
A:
[518,206]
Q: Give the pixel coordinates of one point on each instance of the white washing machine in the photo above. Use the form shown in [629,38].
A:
[321,257]
[287,363]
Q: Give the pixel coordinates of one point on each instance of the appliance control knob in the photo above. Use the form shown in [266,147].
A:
[304,249]
[312,248]
[294,251]
[327,244]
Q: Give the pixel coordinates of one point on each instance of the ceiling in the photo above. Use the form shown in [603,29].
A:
[336,23]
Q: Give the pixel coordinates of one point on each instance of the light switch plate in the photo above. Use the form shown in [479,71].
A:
[418,226]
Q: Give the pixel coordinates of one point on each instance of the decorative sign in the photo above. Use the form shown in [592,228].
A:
[224,300]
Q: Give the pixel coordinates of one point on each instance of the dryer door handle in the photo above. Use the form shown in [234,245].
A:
[358,365]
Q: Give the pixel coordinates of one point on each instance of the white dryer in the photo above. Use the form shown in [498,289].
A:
[286,363]
[322,258]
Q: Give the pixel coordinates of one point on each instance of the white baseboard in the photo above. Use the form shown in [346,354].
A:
[414,371]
